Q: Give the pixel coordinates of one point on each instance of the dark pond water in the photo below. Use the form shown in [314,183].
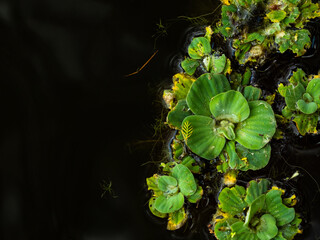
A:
[71,120]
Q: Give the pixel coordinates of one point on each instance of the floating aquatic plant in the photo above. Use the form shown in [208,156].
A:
[259,27]
[302,97]
[201,55]
[255,213]
[221,117]
[170,191]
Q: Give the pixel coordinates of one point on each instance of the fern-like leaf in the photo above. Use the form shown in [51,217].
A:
[186,130]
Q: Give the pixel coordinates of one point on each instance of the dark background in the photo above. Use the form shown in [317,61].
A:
[69,119]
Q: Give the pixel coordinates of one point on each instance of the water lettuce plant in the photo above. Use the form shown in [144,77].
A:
[221,117]
[259,27]
[302,97]
[255,213]
[169,193]
[201,55]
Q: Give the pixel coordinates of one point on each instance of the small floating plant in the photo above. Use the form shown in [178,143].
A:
[260,27]
[302,98]
[258,212]
[223,125]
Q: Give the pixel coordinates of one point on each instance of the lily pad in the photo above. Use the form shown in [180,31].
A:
[203,139]
[230,105]
[199,47]
[186,181]
[257,130]
[267,229]
[232,200]
[277,209]
[203,89]
[169,203]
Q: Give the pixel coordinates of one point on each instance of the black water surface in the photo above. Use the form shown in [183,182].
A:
[70,119]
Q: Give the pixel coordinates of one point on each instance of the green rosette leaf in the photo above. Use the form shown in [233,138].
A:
[199,48]
[190,163]
[306,107]
[257,130]
[201,136]
[152,183]
[219,63]
[306,123]
[313,89]
[230,105]
[181,85]
[300,41]
[155,211]
[194,198]
[169,203]
[232,157]
[252,93]
[203,89]
[290,230]
[177,219]
[240,232]
[267,229]
[255,159]
[292,94]
[232,200]
[177,114]
[276,16]
[279,236]
[168,185]
[277,209]
[186,181]
[256,206]
[222,229]
[190,65]
[256,189]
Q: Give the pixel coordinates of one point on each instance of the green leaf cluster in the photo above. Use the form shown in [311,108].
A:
[169,194]
[228,123]
[302,97]
[280,28]
[201,55]
[255,213]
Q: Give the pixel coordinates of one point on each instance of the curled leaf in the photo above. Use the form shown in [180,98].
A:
[231,106]
[203,89]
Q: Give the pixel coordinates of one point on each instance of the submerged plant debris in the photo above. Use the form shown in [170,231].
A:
[225,125]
